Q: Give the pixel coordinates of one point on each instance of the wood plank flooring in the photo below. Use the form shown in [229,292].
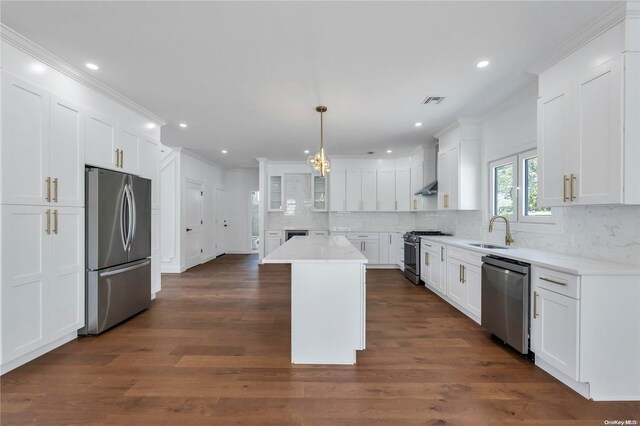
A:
[215,349]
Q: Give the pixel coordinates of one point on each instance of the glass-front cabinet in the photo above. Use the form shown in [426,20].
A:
[276,193]
[319,193]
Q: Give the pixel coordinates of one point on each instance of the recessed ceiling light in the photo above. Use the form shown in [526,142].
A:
[183,125]
[224,151]
[92,67]
[306,151]
[151,125]
[418,124]
[389,151]
[482,64]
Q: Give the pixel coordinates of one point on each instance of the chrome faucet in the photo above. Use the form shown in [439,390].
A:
[508,239]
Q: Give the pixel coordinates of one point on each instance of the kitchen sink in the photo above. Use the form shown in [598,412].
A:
[488,246]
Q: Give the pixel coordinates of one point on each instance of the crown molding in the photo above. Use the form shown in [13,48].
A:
[198,157]
[22,43]
[614,16]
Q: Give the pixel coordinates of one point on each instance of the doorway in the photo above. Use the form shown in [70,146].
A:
[193,223]
[221,223]
[254,226]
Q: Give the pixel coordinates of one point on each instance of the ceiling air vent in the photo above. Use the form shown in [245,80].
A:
[433,100]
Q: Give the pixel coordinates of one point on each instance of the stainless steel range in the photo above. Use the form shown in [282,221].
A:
[412,253]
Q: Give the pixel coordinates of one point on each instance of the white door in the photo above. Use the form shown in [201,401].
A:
[403,190]
[354,190]
[555,330]
[369,197]
[129,143]
[337,190]
[221,223]
[67,271]
[25,279]
[554,146]
[386,191]
[66,153]
[25,142]
[193,223]
[598,139]
[100,141]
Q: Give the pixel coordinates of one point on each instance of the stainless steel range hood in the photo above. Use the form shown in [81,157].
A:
[431,189]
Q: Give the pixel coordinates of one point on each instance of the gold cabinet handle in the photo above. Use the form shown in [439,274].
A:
[48,197]
[565,179]
[441,254]
[117,157]
[48,228]
[573,179]
[535,304]
[55,221]
[55,190]
[121,158]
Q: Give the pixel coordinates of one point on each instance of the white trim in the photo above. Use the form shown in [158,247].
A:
[240,252]
[614,16]
[197,157]
[30,356]
[22,43]
[520,97]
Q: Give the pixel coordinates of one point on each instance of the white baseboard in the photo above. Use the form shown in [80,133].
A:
[376,266]
[207,259]
[580,387]
[240,252]
[170,269]
[13,364]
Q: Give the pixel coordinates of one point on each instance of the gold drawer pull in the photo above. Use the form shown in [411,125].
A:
[55,221]
[55,190]
[565,179]
[553,281]
[535,304]
[48,197]
[573,180]
[48,229]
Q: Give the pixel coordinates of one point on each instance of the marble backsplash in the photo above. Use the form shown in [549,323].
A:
[597,232]
[298,207]
[374,221]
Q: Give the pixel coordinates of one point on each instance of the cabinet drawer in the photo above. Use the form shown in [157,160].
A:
[558,282]
[468,256]
[363,236]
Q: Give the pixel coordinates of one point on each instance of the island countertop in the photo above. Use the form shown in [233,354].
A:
[316,249]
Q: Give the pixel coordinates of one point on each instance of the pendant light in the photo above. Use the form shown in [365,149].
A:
[319,161]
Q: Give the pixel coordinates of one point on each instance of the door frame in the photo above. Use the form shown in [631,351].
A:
[218,250]
[183,222]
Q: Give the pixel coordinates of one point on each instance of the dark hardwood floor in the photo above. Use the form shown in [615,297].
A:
[215,349]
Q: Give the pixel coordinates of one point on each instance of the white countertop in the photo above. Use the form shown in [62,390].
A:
[334,249]
[560,262]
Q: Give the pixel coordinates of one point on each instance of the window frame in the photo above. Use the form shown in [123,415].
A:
[519,217]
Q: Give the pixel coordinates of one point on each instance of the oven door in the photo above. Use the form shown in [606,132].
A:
[411,255]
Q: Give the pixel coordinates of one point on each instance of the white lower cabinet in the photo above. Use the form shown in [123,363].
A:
[385,250]
[464,280]
[272,240]
[434,264]
[42,277]
[368,243]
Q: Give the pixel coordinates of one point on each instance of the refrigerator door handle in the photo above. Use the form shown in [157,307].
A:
[127,269]
[132,217]
[124,233]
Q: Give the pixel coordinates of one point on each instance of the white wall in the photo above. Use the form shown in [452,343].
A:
[176,169]
[239,185]
[600,232]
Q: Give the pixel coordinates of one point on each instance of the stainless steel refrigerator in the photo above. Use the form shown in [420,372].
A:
[118,247]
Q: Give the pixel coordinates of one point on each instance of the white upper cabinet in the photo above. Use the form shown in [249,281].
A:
[459,167]
[66,141]
[42,147]
[276,193]
[129,145]
[337,188]
[150,167]
[403,190]
[588,131]
[354,190]
[100,140]
[319,193]
[369,185]
[25,142]
[386,191]
[417,182]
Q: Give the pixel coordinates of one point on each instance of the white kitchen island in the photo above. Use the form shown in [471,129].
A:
[328,298]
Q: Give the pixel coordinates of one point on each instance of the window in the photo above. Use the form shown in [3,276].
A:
[514,189]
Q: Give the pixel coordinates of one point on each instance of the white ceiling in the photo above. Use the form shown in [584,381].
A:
[247,76]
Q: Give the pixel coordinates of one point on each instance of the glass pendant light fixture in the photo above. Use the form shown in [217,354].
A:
[319,161]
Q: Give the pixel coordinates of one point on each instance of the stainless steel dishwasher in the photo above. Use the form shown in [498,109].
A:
[505,300]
